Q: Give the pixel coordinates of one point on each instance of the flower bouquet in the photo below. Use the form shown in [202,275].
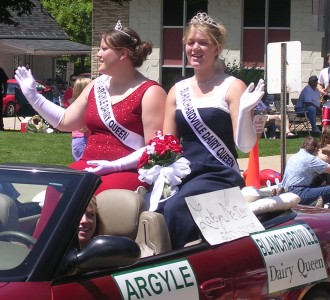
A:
[162,165]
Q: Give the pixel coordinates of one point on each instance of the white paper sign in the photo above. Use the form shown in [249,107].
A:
[293,67]
[223,215]
[292,256]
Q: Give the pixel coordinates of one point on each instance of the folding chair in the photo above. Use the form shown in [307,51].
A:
[299,120]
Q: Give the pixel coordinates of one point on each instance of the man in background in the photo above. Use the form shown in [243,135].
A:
[309,100]
[3,93]
[68,93]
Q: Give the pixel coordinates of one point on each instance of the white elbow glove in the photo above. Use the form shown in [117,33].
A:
[104,167]
[245,134]
[51,112]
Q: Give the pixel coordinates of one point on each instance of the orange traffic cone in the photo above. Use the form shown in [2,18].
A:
[252,172]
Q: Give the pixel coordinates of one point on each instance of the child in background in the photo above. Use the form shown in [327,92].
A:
[79,137]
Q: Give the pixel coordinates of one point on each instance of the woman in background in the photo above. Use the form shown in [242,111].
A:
[79,137]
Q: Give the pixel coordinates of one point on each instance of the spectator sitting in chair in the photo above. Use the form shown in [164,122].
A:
[309,100]
[273,120]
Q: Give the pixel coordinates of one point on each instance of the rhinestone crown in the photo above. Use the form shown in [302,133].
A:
[202,18]
[119,28]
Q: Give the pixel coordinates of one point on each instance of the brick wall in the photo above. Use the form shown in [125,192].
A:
[144,16]
[105,16]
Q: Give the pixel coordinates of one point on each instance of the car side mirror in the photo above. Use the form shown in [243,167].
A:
[103,252]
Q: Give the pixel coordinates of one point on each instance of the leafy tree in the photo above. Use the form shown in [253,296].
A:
[8,8]
[75,17]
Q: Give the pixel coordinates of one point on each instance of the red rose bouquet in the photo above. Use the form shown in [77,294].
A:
[162,165]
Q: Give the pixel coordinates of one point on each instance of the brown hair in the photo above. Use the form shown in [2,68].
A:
[137,50]
[93,202]
[325,136]
[310,145]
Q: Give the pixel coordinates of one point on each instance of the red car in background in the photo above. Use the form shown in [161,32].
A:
[11,106]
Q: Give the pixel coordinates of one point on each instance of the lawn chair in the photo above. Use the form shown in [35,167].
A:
[298,120]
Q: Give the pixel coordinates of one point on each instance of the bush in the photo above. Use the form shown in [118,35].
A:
[246,74]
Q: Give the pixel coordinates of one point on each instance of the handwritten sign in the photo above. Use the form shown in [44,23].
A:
[223,215]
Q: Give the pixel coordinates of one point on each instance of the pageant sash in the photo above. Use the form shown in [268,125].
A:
[104,108]
[209,139]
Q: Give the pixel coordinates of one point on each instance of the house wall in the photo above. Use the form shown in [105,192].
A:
[146,19]
[145,16]
[7,63]
[230,14]
[41,65]
[303,30]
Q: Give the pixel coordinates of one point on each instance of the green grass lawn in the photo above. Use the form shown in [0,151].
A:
[55,148]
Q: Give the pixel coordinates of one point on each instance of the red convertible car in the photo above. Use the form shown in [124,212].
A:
[10,105]
[131,256]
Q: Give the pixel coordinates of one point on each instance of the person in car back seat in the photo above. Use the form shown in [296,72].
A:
[88,224]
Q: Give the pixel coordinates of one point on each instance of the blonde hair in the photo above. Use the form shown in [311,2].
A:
[79,86]
[213,31]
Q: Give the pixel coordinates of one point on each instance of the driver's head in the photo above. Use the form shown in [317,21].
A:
[88,223]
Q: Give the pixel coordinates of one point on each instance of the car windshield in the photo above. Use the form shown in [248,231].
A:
[25,192]
[11,88]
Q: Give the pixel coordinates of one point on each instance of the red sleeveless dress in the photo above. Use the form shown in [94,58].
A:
[103,145]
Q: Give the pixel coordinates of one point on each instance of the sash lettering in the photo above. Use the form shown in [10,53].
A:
[209,139]
[104,107]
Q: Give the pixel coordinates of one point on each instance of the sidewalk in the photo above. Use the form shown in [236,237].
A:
[266,162]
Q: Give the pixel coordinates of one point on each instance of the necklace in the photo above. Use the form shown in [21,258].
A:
[201,84]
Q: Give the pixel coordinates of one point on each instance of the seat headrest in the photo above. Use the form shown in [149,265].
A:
[153,236]
[8,213]
[119,212]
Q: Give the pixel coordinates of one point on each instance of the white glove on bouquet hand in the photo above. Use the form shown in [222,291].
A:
[245,134]
[51,112]
[104,167]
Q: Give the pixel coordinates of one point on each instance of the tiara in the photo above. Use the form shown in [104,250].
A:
[202,18]
[119,28]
